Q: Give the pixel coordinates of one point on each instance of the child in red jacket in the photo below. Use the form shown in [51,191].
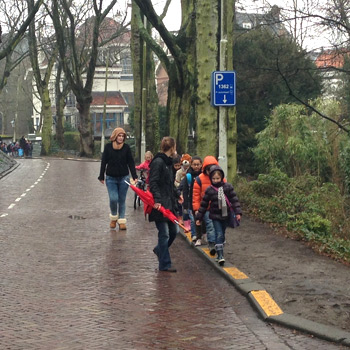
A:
[145,165]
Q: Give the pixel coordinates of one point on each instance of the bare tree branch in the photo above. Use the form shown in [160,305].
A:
[291,92]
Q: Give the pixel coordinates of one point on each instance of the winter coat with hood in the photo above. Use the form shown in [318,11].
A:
[187,188]
[210,199]
[117,161]
[199,190]
[161,185]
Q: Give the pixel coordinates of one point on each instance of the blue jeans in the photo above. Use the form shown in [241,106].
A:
[167,232]
[210,228]
[193,222]
[117,190]
[220,228]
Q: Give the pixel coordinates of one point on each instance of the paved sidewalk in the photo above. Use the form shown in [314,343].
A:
[68,282]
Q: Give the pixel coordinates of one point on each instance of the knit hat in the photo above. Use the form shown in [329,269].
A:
[116,132]
[214,168]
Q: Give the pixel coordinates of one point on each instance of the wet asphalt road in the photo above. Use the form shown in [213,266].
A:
[68,282]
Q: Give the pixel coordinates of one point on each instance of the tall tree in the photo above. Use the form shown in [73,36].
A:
[48,51]
[195,56]
[78,50]
[263,62]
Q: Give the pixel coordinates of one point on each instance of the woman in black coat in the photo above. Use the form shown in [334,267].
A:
[161,185]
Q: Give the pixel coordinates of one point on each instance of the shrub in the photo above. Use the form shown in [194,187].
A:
[72,140]
[315,212]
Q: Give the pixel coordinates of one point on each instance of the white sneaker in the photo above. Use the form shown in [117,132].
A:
[198,242]
[194,238]
[221,261]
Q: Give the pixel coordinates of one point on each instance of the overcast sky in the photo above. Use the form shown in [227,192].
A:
[173,18]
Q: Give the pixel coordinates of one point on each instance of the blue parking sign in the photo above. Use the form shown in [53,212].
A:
[223,91]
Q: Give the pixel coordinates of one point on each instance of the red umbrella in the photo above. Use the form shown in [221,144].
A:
[168,214]
[145,196]
[148,201]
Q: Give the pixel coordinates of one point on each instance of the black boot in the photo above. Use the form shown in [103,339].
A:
[220,251]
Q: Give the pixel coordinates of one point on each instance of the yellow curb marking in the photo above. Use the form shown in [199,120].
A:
[235,273]
[206,251]
[267,303]
[188,235]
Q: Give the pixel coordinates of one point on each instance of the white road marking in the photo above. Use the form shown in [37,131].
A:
[27,190]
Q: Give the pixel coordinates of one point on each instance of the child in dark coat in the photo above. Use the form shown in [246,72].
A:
[216,197]
[187,192]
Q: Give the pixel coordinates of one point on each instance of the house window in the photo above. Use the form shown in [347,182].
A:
[111,121]
[121,119]
[247,25]
[70,100]
[125,61]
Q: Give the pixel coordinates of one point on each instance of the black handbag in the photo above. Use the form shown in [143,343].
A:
[231,218]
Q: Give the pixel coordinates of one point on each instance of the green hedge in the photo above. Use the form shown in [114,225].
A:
[316,212]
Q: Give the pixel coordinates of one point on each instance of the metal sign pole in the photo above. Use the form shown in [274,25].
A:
[223,113]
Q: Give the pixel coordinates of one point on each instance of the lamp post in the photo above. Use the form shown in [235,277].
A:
[13,124]
[144,94]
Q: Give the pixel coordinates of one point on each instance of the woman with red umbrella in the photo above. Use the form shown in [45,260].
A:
[161,185]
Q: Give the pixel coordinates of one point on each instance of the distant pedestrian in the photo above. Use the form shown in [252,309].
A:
[176,163]
[117,162]
[161,185]
[218,197]
[145,165]
[23,145]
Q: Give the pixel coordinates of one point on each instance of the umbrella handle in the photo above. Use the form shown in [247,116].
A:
[127,182]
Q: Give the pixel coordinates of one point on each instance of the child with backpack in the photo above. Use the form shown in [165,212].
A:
[200,185]
[219,197]
[187,192]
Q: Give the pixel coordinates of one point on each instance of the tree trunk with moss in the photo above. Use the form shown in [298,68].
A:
[85,127]
[152,118]
[231,122]
[207,62]
[151,123]
[46,117]
[61,94]
[136,56]
[60,104]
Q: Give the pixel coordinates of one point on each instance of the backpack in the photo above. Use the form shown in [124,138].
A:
[189,180]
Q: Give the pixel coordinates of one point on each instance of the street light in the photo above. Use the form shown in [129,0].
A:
[13,124]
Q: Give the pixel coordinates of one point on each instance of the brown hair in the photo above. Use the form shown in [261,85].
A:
[167,143]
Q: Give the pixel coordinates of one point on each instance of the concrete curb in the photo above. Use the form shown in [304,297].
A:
[10,170]
[263,303]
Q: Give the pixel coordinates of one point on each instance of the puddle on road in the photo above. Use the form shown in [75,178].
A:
[76,217]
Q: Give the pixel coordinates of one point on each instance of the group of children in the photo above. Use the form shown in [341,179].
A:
[207,198]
